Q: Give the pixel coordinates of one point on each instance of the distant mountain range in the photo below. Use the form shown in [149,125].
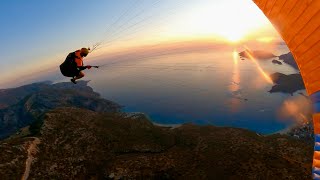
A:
[66,131]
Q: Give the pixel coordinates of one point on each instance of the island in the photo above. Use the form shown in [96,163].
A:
[289,59]
[265,55]
[259,54]
[286,83]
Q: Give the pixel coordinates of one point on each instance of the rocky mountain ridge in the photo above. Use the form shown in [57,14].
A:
[39,98]
[82,144]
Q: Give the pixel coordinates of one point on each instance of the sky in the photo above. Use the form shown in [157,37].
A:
[37,35]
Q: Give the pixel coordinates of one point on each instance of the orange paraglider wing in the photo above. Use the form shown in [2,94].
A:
[298,22]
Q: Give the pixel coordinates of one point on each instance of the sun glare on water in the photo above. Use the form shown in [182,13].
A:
[259,68]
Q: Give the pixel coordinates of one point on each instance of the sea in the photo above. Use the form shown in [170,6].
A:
[204,87]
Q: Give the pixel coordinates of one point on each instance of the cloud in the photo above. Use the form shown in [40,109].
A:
[297,109]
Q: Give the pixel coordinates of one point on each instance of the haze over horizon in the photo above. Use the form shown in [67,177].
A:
[36,36]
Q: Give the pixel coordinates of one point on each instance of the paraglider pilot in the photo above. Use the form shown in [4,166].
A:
[73,65]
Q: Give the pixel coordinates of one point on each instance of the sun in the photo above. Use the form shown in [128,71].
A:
[231,20]
[232,35]
[234,38]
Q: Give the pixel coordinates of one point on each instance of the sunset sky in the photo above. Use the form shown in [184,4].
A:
[36,35]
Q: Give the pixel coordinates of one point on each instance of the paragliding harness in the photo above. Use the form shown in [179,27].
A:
[69,67]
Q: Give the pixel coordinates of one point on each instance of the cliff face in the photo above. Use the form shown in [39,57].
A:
[82,144]
[32,104]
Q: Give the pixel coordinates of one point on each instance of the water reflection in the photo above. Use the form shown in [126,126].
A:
[234,87]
